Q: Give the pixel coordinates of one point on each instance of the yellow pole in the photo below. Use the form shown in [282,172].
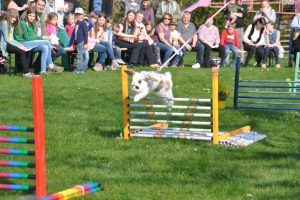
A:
[215,111]
[125,103]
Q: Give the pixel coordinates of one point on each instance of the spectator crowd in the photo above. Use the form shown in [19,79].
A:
[144,37]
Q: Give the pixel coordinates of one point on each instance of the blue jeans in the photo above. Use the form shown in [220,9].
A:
[166,49]
[102,53]
[44,47]
[234,50]
[117,52]
[178,57]
[59,50]
[82,57]
[109,50]
[267,53]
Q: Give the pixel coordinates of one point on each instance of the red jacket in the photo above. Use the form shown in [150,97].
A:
[232,39]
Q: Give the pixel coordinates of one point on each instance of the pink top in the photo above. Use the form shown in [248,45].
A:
[70,29]
[92,40]
[51,29]
[211,34]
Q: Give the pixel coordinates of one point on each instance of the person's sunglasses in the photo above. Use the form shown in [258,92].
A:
[167,18]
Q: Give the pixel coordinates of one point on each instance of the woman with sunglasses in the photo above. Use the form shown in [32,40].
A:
[162,37]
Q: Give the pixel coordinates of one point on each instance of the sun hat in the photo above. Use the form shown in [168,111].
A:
[79,11]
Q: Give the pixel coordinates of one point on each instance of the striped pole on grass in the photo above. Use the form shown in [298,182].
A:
[76,191]
[16,140]
[17,128]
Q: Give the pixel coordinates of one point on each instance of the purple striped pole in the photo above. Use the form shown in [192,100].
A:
[173,107]
[16,152]
[16,140]
[16,128]
[171,122]
[169,114]
[17,176]
[15,164]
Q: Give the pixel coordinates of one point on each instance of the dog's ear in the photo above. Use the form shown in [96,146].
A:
[129,72]
[150,78]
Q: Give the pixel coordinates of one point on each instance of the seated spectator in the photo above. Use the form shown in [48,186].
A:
[168,6]
[40,44]
[175,38]
[254,41]
[150,32]
[209,36]
[127,38]
[162,37]
[266,12]
[295,25]
[241,13]
[230,12]
[148,11]
[272,37]
[130,5]
[187,30]
[231,42]
[58,8]
[10,45]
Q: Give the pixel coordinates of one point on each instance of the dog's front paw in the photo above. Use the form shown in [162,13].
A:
[136,99]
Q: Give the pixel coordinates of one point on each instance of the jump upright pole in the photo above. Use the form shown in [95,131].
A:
[125,103]
[215,104]
[39,136]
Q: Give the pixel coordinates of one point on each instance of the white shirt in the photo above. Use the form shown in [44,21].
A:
[254,37]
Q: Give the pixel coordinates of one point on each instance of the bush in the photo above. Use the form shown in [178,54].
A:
[223,92]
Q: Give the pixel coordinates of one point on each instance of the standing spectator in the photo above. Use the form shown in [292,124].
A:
[130,5]
[107,7]
[81,41]
[272,37]
[127,38]
[148,11]
[168,6]
[162,37]
[254,41]
[295,25]
[95,6]
[239,22]
[209,36]
[10,45]
[187,30]
[230,40]
[71,24]
[266,12]
[57,7]
[19,5]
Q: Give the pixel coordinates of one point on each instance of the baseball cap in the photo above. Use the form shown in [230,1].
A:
[79,11]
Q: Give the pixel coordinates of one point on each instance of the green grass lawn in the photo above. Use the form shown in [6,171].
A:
[83,118]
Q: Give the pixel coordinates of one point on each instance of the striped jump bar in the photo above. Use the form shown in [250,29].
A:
[15,164]
[16,128]
[76,191]
[173,107]
[170,129]
[169,114]
[268,81]
[16,187]
[174,132]
[17,175]
[171,122]
[177,99]
[16,140]
[16,152]
[170,135]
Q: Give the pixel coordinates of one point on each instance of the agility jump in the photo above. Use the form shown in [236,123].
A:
[207,109]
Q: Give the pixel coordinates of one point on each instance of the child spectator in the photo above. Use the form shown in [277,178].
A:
[10,45]
[111,39]
[130,5]
[230,40]
[81,41]
[150,31]
[71,25]
[272,37]
[51,29]
[102,36]
[29,39]
[175,37]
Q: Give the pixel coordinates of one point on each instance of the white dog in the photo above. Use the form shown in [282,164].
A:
[145,82]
